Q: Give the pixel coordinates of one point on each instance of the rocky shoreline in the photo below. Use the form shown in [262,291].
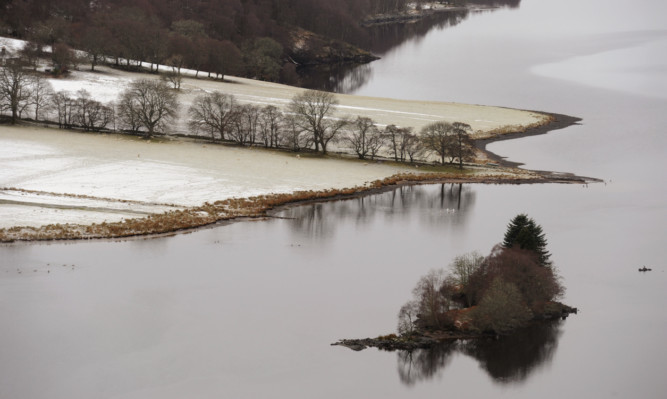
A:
[429,339]
[414,14]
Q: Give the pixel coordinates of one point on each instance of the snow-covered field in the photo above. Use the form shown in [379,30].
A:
[52,176]
[58,176]
[106,84]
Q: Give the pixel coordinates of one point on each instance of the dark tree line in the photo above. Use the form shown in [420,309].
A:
[242,37]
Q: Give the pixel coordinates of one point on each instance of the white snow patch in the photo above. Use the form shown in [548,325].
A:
[108,169]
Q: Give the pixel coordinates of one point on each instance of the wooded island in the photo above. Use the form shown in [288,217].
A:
[515,285]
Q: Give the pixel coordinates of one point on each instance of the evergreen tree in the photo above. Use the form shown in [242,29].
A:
[526,234]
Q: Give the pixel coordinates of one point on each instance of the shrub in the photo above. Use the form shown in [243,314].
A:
[501,309]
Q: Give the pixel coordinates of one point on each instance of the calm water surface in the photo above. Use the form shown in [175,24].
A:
[248,310]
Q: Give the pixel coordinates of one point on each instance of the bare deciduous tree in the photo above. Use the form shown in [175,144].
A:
[294,136]
[413,145]
[175,77]
[15,89]
[437,138]
[365,138]
[245,124]
[63,58]
[214,113]
[65,106]
[462,147]
[91,114]
[432,303]
[314,110]
[150,102]
[42,94]
[407,317]
[463,268]
[270,122]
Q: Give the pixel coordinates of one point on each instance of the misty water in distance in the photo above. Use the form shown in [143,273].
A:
[248,310]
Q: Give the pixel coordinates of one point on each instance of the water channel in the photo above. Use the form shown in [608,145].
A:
[248,310]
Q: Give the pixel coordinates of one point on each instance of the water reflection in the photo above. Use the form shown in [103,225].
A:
[380,40]
[345,78]
[434,206]
[422,365]
[507,360]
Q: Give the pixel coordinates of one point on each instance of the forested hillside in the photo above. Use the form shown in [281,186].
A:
[247,37]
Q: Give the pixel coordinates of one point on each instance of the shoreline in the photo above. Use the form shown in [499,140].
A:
[413,15]
[428,339]
[230,210]
[190,218]
[558,122]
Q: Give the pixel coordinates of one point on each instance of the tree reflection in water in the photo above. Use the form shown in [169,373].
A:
[422,364]
[436,206]
[509,359]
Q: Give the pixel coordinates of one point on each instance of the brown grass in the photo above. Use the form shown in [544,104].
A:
[228,209]
[512,129]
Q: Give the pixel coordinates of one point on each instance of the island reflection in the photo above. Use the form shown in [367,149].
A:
[509,359]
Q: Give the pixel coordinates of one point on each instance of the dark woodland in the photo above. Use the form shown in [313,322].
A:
[253,38]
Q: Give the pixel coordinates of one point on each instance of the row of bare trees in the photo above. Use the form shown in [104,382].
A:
[148,106]
[310,123]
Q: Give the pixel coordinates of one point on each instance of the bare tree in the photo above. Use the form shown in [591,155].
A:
[175,77]
[150,102]
[313,110]
[214,113]
[63,58]
[463,268]
[407,317]
[413,146]
[432,303]
[365,138]
[331,134]
[42,94]
[438,139]
[393,136]
[15,89]
[462,147]
[92,115]
[245,123]
[127,117]
[270,123]
[65,106]
[294,137]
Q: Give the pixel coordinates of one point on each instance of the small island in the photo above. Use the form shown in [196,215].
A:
[514,286]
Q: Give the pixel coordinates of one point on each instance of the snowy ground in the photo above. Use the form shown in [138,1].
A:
[58,176]
[52,176]
[106,84]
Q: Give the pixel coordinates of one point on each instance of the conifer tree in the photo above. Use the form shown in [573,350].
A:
[526,234]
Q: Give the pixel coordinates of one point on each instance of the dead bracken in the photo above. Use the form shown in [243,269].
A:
[234,208]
